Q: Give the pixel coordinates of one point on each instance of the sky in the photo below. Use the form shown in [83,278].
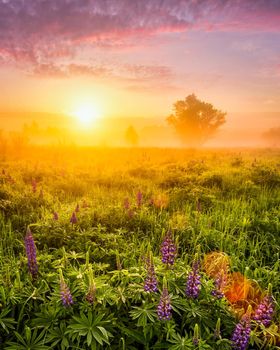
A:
[135,58]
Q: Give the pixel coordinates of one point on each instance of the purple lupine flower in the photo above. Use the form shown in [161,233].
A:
[264,311]
[139,198]
[126,204]
[241,335]
[55,216]
[77,209]
[150,284]
[220,283]
[65,294]
[31,253]
[193,281]
[164,306]
[168,250]
[73,219]
[90,297]
[196,335]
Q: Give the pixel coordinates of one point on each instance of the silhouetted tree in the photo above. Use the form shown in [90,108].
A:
[131,136]
[195,121]
[273,136]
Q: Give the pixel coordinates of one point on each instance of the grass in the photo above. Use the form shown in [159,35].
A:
[215,200]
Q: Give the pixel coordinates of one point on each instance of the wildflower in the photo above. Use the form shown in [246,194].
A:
[90,296]
[55,215]
[164,306]
[168,250]
[220,283]
[73,219]
[77,208]
[150,284]
[241,335]
[264,311]
[65,294]
[139,198]
[196,335]
[31,253]
[193,281]
[126,204]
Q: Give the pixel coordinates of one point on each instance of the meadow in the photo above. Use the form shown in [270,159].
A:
[139,249]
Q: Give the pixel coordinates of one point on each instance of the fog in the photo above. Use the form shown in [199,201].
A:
[56,129]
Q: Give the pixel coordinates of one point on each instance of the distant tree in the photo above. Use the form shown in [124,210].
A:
[195,121]
[131,136]
[272,136]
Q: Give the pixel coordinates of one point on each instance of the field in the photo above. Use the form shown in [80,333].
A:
[122,234]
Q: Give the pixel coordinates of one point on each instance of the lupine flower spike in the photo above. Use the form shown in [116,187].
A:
[77,208]
[168,250]
[241,335]
[55,215]
[126,204]
[90,297]
[220,284]
[73,219]
[196,335]
[265,309]
[31,253]
[150,284]
[65,294]
[193,280]
[139,198]
[164,307]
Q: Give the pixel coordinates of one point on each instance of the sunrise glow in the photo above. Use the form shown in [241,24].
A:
[86,115]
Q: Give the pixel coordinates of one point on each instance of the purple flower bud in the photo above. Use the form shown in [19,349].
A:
[164,306]
[241,335]
[150,284]
[220,283]
[91,294]
[126,204]
[55,215]
[65,294]
[168,250]
[73,219]
[193,281]
[77,208]
[139,198]
[264,311]
[31,253]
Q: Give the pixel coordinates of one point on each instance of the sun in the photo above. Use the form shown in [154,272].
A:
[86,115]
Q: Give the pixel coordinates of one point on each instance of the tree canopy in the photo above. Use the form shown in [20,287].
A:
[195,121]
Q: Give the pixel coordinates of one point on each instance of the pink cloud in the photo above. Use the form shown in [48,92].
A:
[40,31]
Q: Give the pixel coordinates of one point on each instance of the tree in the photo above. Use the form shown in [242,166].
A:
[195,121]
[131,136]
[272,136]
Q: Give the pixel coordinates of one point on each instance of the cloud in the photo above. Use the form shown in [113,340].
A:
[128,74]
[40,31]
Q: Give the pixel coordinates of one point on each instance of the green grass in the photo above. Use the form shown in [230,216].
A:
[238,213]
